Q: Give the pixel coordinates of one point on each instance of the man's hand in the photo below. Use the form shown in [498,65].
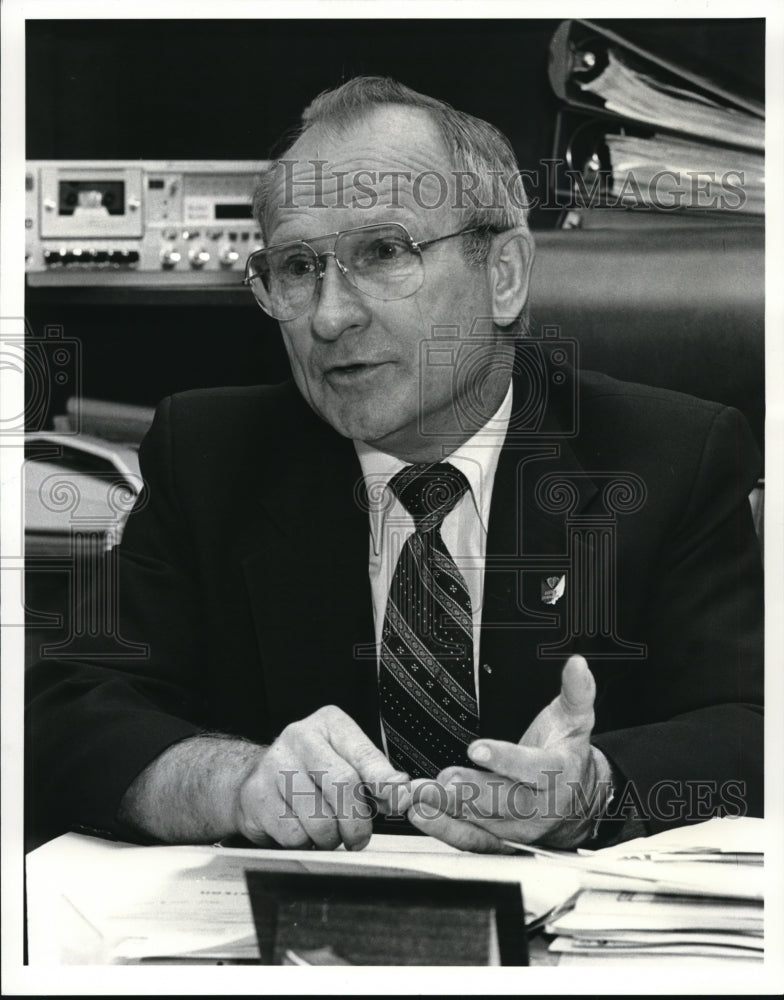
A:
[318,784]
[307,789]
[548,787]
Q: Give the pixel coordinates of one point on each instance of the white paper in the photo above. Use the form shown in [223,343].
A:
[99,902]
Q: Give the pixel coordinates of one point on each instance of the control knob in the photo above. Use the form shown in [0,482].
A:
[198,257]
[170,258]
[228,256]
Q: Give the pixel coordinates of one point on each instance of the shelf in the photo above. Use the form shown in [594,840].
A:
[133,288]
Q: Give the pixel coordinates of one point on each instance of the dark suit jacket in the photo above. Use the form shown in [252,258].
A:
[244,577]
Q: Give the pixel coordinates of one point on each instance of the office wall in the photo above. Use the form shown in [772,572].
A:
[230,89]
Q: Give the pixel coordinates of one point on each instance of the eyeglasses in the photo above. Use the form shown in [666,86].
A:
[382,261]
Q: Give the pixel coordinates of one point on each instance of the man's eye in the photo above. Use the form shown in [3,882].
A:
[384,251]
[295,266]
[390,249]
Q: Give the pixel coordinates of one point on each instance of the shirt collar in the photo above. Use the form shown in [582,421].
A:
[476,458]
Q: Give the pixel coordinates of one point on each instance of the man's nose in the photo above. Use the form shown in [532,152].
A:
[339,305]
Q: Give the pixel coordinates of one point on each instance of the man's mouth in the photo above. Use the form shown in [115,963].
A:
[353,369]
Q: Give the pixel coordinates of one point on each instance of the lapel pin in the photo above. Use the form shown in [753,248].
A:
[553,588]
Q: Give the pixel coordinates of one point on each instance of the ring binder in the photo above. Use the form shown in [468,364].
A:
[640,132]
[578,42]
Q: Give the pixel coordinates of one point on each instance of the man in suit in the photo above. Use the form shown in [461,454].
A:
[357,592]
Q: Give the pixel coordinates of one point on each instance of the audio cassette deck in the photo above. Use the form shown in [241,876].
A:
[176,220]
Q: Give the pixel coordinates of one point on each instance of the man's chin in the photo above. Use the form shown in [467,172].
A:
[370,417]
[371,431]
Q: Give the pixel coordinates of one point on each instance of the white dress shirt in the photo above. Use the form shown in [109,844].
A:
[464,529]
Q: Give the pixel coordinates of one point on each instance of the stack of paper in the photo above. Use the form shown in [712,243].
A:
[93,901]
[692,895]
[669,173]
[696,892]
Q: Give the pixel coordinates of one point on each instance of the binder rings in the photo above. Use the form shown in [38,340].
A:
[599,162]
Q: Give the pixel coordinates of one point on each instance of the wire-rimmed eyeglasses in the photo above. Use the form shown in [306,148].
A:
[382,261]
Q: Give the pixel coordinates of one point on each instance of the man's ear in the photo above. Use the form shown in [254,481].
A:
[509,273]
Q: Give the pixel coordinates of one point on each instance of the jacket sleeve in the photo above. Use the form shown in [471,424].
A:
[96,718]
[694,738]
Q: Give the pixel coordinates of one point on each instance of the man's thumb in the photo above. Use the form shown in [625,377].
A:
[578,688]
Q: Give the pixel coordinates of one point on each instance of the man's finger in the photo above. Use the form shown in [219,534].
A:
[394,797]
[271,816]
[312,810]
[427,815]
[353,745]
[520,763]
[349,799]
[486,799]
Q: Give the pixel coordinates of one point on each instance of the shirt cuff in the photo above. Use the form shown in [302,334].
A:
[610,828]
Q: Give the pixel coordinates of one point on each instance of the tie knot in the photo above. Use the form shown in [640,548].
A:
[429,492]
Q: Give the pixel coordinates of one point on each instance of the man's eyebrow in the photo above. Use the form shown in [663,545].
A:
[413,225]
[276,238]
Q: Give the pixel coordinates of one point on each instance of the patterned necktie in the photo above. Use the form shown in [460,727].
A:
[426,681]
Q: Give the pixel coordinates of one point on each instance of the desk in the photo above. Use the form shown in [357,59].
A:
[98,902]
[92,901]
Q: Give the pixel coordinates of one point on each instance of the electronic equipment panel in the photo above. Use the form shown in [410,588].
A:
[126,222]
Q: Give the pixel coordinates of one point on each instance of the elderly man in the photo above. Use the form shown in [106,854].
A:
[359,591]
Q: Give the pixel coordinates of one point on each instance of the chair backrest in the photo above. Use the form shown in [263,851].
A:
[678,307]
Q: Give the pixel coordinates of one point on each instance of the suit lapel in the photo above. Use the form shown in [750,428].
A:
[527,543]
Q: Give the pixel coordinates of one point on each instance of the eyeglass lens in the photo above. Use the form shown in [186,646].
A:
[380,261]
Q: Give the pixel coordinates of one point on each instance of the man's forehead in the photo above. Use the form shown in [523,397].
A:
[390,162]
[391,132]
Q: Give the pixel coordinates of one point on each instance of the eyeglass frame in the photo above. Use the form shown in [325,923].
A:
[416,245]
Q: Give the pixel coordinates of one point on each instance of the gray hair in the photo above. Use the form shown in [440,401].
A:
[478,149]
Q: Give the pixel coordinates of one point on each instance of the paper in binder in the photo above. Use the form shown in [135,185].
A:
[640,132]
[596,69]
[603,164]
